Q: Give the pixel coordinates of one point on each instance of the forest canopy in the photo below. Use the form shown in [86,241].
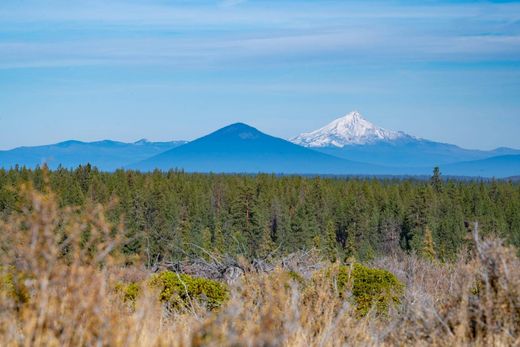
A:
[173,215]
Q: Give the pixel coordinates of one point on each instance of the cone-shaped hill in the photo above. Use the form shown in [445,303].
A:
[240,148]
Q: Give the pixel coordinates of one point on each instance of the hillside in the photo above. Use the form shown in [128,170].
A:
[501,166]
[243,149]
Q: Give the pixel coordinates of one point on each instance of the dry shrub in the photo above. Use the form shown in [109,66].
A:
[69,255]
[70,267]
[281,309]
[475,301]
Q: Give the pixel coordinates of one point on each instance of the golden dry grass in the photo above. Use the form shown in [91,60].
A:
[70,264]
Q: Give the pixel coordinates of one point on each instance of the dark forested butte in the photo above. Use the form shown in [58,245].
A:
[348,146]
[172,215]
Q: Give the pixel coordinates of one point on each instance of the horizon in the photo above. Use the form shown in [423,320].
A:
[446,71]
[218,129]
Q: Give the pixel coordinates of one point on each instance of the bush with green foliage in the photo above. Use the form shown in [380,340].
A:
[179,290]
[128,292]
[12,285]
[370,287]
[296,277]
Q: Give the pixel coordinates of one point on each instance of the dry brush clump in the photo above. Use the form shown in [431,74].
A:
[68,258]
[474,301]
[62,279]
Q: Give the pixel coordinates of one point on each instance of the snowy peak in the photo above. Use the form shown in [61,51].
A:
[351,129]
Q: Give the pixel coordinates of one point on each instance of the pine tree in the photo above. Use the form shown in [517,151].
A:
[246,218]
[428,249]
[207,242]
[266,245]
[350,251]
[184,231]
[416,220]
[299,236]
[436,180]
[330,246]
[219,244]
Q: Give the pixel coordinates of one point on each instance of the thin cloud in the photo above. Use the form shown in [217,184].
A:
[231,3]
[210,34]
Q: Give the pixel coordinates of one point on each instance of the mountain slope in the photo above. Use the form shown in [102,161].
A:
[243,149]
[411,153]
[500,167]
[106,155]
[354,138]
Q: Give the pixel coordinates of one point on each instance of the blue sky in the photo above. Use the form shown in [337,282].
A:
[165,69]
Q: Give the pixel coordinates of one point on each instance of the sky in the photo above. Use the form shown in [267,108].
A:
[169,70]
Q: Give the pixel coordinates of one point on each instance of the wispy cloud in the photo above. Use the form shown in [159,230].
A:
[230,3]
[206,33]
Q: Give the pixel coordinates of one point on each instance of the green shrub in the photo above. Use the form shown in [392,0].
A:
[179,289]
[128,292]
[12,285]
[296,277]
[370,287]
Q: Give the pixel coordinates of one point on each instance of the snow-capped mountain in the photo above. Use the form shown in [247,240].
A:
[351,129]
[353,137]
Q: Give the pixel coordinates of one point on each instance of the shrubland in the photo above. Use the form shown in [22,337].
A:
[67,279]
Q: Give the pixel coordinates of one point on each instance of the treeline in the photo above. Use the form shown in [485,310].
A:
[173,215]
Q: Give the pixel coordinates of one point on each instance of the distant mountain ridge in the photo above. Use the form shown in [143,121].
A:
[107,155]
[500,166]
[349,145]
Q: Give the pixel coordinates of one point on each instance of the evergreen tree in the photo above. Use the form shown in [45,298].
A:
[428,249]
[266,245]
[220,243]
[245,221]
[416,220]
[330,249]
[164,213]
[207,241]
[351,253]
[298,236]
[436,180]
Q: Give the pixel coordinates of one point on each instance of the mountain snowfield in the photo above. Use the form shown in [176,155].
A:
[351,129]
